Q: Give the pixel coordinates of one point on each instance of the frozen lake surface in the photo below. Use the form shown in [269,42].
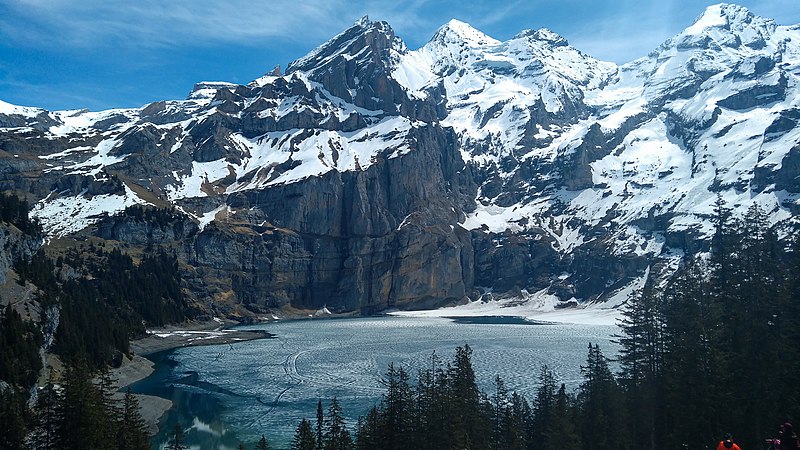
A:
[227,394]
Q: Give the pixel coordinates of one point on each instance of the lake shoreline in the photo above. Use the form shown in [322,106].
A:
[139,367]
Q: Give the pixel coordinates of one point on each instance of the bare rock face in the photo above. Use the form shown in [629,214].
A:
[384,237]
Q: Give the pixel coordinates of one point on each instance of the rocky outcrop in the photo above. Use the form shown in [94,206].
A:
[15,245]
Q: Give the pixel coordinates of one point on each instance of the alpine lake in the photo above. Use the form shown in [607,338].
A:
[228,394]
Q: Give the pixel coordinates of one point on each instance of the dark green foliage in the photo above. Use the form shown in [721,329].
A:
[304,437]
[131,430]
[12,419]
[335,435]
[19,349]
[113,302]
[160,217]
[47,419]
[320,425]
[14,210]
[86,420]
[714,349]
[602,416]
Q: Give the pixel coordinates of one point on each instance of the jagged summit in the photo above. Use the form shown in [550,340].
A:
[544,35]
[363,22]
[364,40]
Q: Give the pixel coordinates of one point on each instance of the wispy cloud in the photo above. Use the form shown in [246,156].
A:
[157,23]
[153,23]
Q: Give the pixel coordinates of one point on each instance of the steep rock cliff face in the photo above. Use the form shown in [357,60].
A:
[367,240]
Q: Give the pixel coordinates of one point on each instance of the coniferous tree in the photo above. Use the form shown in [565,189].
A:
[12,419]
[692,362]
[368,430]
[431,416]
[469,427]
[560,432]
[602,420]
[131,429]
[641,358]
[46,419]
[304,437]
[85,420]
[397,406]
[336,436]
[503,434]
[543,403]
[320,426]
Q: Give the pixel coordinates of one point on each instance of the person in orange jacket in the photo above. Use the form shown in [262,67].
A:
[727,443]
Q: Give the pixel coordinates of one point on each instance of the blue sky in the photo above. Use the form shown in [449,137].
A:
[99,54]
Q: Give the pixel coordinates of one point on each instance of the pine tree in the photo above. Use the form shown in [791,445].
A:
[543,404]
[320,426]
[602,420]
[304,437]
[368,431]
[397,406]
[692,361]
[560,432]
[12,418]
[641,357]
[336,436]
[503,432]
[469,427]
[46,420]
[85,420]
[131,429]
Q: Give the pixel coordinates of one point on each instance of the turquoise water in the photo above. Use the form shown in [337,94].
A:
[232,393]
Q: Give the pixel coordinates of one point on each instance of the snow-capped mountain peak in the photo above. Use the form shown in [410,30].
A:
[725,25]
[729,17]
[458,32]
[364,40]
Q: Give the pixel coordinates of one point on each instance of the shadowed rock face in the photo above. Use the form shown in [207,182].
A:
[384,237]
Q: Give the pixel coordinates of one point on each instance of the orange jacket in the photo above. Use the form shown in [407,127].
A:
[721,446]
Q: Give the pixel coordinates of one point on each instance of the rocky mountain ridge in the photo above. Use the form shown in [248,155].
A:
[371,176]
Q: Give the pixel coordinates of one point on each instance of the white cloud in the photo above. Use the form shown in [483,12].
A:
[179,22]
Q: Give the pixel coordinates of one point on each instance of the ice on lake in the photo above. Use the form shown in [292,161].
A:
[227,394]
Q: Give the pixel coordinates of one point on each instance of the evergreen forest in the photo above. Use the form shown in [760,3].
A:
[91,302]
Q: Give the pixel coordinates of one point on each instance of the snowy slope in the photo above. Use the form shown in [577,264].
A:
[688,122]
